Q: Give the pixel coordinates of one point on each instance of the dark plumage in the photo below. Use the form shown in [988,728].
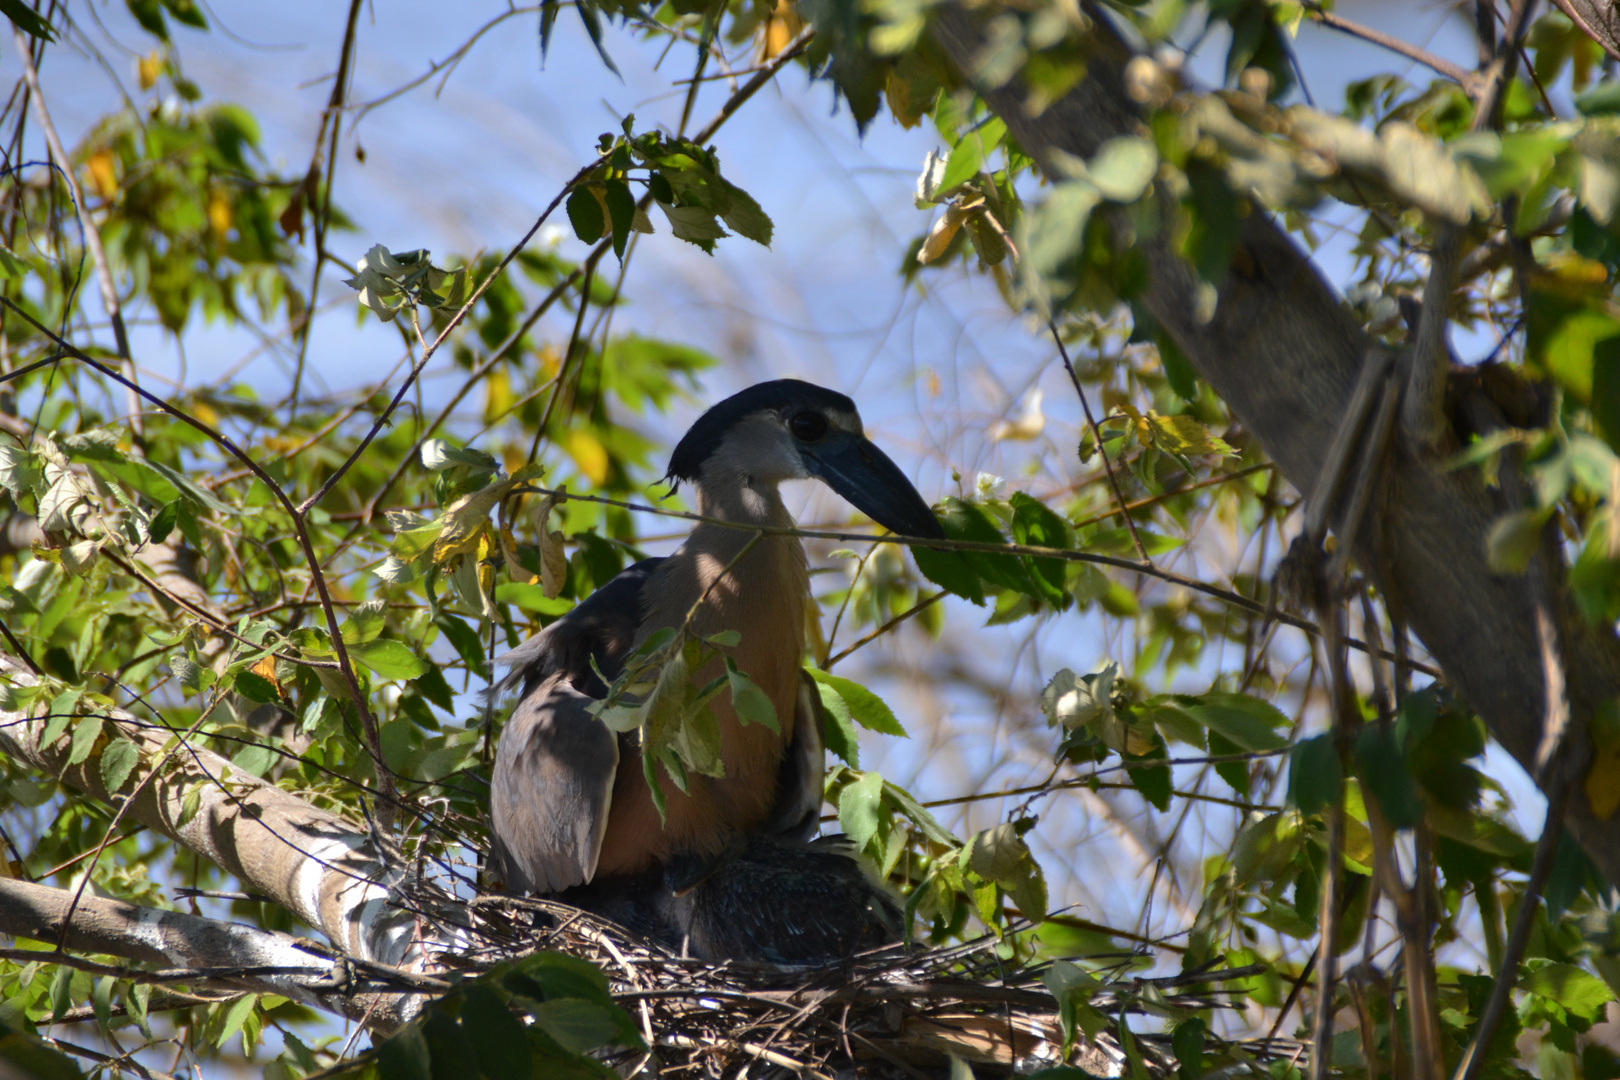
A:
[723,865]
[705,435]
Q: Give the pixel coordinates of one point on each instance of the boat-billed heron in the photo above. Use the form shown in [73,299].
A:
[570,805]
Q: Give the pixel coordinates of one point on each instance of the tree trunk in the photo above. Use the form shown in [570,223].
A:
[1284,355]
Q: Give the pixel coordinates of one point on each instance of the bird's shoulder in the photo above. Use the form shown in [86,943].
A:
[603,626]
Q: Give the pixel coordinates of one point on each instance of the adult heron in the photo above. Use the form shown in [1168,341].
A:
[571,809]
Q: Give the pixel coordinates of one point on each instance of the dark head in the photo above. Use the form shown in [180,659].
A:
[792,430]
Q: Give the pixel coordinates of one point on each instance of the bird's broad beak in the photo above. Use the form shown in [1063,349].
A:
[863,474]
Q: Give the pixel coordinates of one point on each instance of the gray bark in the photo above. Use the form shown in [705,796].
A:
[1284,354]
[318,866]
[211,953]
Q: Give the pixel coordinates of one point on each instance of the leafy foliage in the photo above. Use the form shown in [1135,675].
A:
[314,587]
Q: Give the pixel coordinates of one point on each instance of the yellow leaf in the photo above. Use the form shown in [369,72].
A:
[497,395]
[514,567]
[103,173]
[589,454]
[267,668]
[1182,434]
[465,519]
[782,27]
[219,215]
[1027,425]
[147,70]
[553,563]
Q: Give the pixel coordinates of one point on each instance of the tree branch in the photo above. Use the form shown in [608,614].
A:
[1284,354]
[319,867]
[195,951]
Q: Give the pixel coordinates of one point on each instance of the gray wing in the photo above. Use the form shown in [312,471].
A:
[550,791]
[797,813]
[552,784]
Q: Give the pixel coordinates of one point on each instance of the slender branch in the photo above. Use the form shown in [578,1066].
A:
[1226,595]
[1102,452]
[368,720]
[1473,1061]
[1429,60]
[321,216]
[92,235]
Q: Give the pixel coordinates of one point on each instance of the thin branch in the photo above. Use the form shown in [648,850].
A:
[92,235]
[1091,421]
[1226,595]
[1437,64]
[1473,1061]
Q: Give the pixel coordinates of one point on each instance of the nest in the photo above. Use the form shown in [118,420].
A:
[899,1011]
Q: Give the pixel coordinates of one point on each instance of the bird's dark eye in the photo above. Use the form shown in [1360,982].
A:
[808,427]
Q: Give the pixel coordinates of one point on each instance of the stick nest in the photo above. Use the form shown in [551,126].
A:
[898,1011]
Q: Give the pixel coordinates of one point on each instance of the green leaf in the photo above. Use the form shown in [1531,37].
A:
[502,1044]
[621,207]
[255,687]
[405,1056]
[236,1016]
[1513,541]
[61,712]
[967,158]
[1315,777]
[1250,723]
[579,1026]
[1581,992]
[464,639]
[1384,774]
[950,571]
[1187,1043]
[585,214]
[752,705]
[693,224]
[1055,230]
[965,521]
[163,522]
[865,707]
[838,728]
[860,808]
[390,659]
[364,623]
[118,760]
[1152,780]
[27,20]
[85,734]
[254,760]
[1178,370]
[1036,525]
[1123,167]
[745,217]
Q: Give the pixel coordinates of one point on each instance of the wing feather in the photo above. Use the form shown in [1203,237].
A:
[551,790]
[797,812]
[552,785]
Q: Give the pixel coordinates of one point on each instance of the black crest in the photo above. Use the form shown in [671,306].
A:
[781,396]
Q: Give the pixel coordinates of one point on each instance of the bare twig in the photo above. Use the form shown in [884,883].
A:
[1113,481]
[92,235]
[1434,63]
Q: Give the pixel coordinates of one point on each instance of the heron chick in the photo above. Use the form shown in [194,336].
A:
[571,810]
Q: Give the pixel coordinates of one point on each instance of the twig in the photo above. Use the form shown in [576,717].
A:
[1102,452]
[92,236]
[331,116]
[1226,595]
[1393,44]
[1473,1061]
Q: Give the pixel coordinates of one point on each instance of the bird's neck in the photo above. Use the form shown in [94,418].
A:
[744,500]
